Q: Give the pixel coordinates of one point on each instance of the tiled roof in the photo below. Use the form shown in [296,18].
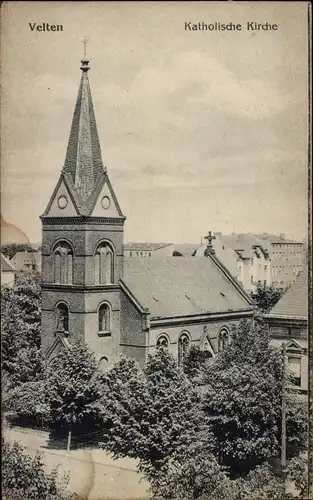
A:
[83,157]
[146,246]
[174,286]
[6,264]
[23,259]
[186,249]
[227,256]
[294,303]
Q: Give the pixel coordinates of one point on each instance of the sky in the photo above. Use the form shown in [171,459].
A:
[199,130]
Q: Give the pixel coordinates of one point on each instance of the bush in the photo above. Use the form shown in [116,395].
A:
[24,477]
[297,473]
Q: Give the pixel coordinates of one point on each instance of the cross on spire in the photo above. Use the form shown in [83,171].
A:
[85,41]
[209,249]
[210,237]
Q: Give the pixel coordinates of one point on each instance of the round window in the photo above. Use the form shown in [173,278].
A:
[105,202]
[62,201]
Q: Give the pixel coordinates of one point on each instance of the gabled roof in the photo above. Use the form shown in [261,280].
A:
[59,342]
[171,287]
[6,265]
[294,303]
[23,258]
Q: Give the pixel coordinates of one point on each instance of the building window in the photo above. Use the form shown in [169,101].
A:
[294,364]
[104,319]
[223,339]
[62,315]
[104,264]
[63,263]
[162,342]
[103,363]
[183,344]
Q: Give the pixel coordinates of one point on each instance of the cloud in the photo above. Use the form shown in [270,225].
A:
[186,73]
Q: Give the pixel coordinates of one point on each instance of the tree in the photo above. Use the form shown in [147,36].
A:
[153,414]
[195,363]
[74,388]
[21,329]
[10,249]
[29,402]
[266,297]
[260,483]
[24,476]
[242,401]
[195,474]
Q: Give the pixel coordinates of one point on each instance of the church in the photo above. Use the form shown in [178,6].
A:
[121,305]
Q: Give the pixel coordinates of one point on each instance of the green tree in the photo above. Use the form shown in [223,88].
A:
[266,297]
[21,329]
[243,401]
[73,390]
[24,476]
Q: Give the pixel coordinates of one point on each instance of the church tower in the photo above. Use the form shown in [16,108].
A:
[82,244]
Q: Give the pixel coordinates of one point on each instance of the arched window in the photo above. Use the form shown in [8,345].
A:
[223,339]
[162,342]
[104,264]
[104,319]
[63,263]
[53,363]
[183,344]
[62,315]
[103,363]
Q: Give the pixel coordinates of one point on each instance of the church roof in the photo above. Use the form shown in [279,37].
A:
[294,303]
[171,287]
[83,174]
[83,159]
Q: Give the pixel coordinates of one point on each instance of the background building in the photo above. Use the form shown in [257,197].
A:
[288,322]
[7,272]
[27,261]
[259,259]
[148,250]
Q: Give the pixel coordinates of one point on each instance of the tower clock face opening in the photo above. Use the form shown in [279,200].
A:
[62,201]
[105,202]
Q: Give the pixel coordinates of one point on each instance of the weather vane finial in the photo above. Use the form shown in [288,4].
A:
[85,41]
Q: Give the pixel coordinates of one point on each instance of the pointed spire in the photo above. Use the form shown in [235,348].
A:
[83,157]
